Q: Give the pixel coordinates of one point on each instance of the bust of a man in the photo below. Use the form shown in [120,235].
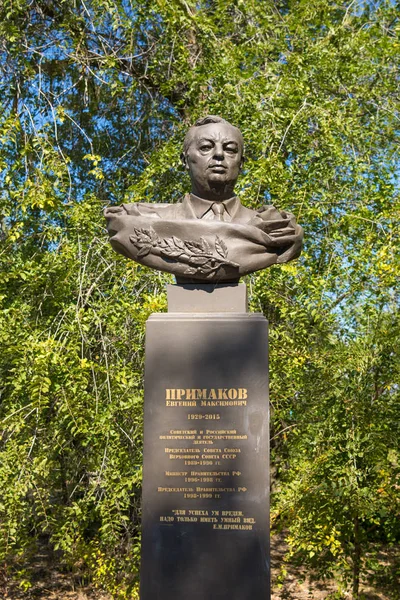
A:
[209,236]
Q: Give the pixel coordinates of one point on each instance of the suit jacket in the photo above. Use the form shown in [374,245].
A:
[193,207]
[187,240]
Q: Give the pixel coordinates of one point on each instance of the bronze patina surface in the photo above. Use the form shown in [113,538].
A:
[209,236]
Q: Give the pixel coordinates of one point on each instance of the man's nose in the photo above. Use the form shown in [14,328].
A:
[219,152]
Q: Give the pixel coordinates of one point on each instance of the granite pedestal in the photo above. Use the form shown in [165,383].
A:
[205,515]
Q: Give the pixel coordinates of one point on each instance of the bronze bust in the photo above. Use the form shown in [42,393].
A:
[209,236]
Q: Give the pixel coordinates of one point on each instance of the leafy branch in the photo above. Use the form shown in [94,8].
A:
[200,257]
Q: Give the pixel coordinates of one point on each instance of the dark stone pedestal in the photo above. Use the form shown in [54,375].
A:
[205,525]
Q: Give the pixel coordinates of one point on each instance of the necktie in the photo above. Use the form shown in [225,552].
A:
[218,209]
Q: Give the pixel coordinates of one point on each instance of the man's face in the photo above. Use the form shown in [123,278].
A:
[214,159]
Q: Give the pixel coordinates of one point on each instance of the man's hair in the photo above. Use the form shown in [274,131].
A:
[206,121]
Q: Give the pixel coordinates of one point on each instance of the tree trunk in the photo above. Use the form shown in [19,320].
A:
[356,559]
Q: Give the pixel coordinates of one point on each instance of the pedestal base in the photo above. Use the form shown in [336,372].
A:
[205,523]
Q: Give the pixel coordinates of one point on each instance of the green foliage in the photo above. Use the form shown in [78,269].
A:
[341,494]
[96,97]
[72,398]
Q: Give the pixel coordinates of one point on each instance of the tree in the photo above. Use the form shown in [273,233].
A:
[96,96]
[341,493]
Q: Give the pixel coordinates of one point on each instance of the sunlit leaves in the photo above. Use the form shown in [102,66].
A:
[96,97]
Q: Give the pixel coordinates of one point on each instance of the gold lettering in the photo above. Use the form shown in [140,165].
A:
[184,431]
[183,450]
[223,402]
[209,490]
[232,513]
[178,403]
[170,490]
[199,513]
[211,473]
[230,526]
[220,431]
[206,394]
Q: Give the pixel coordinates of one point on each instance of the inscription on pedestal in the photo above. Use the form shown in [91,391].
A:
[205,489]
[207,448]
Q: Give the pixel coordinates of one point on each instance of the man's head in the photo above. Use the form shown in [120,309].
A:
[213,155]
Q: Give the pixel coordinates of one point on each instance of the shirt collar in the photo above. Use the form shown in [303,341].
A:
[201,206]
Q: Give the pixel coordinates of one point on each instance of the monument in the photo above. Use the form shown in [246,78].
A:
[209,236]
[205,504]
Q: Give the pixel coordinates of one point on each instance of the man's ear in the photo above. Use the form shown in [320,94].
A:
[184,161]
[242,161]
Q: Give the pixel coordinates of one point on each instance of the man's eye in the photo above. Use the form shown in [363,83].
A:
[205,148]
[231,150]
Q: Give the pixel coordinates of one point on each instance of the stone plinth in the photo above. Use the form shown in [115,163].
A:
[205,504]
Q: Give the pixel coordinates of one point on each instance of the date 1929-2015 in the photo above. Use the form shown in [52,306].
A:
[206,417]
